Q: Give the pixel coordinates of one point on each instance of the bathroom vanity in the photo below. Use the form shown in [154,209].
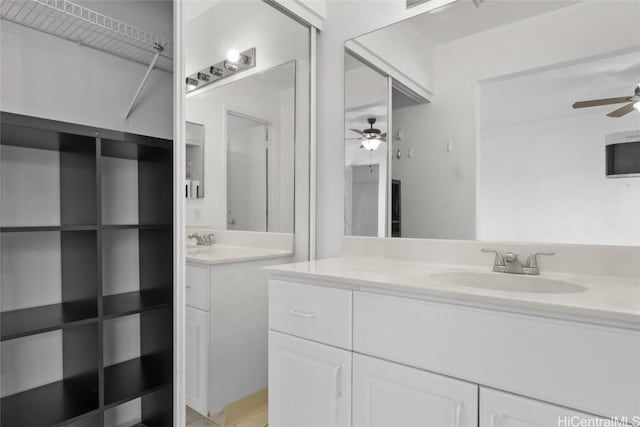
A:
[389,342]
[226,316]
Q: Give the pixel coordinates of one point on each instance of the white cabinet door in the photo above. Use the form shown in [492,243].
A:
[499,409]
[197,287]
[309,383]
[197,358]
[387,394]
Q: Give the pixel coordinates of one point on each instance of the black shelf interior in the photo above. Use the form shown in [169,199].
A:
[52,404]
[135,302]
[88,388]
[36,320]
[135,226]
[134,378]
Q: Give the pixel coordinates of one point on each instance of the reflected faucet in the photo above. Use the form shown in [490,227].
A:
[509,262]
[206,240]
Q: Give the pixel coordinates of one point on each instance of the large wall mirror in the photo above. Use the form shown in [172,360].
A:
[470,122]
[252,112]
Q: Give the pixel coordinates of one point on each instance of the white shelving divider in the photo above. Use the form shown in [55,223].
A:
[76,23]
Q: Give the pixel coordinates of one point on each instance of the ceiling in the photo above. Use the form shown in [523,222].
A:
[439,27]
[548,94]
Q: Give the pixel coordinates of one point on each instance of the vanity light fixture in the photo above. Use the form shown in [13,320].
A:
[231,66]
[234,62]
[191,83]
[233,55]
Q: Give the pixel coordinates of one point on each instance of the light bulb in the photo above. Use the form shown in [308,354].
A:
[637,105]
[371,144]
[233,55]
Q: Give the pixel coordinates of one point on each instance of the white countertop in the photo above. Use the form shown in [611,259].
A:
[222,254]
[606,299]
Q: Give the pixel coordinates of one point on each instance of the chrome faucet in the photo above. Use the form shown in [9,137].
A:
[512,264]
[509,262]
[206,240]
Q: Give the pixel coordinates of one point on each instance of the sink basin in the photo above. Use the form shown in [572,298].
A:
[508,282]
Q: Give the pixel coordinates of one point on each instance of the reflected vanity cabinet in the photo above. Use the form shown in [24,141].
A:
[86,294]
[339,356]
[197,339]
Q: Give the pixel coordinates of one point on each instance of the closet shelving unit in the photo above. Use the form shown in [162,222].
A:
[78,328]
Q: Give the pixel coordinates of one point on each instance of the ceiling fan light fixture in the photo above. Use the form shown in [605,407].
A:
[637,106]
[371,144]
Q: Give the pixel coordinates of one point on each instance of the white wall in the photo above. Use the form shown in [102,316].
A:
[544,181]
[277,39]
[46,76]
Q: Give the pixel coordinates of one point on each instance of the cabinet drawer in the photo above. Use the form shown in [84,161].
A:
[315,312]
[198,287]
[591,368]
[499,409]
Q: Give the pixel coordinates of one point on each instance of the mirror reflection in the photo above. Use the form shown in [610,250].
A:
[249,127]
[480,141]
[248,88]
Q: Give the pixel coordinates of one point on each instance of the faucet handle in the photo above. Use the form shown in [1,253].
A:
[510,257]
[499,259]
[532,261]
[211,238]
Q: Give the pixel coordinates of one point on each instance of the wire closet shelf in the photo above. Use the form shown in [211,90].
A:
[76,23]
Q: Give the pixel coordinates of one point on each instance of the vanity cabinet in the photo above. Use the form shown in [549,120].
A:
[419,362]
[196,358]
[197,340]
[499,409]
[389,394]
[309,383]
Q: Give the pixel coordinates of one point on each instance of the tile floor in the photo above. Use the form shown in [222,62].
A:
[258,418]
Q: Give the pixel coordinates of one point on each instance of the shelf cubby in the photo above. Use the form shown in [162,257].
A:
[73,396]
[87,274]
[147,370]
[127,303]
[132,379]
[52,404]
[36,320]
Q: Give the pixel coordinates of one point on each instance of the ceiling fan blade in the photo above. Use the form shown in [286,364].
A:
[605,101]
[383,135]
[622,111]
[358,131]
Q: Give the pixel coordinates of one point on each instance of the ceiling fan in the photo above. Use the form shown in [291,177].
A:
[371,137]
[633,103]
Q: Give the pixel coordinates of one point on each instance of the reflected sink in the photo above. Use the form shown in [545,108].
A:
[508,282]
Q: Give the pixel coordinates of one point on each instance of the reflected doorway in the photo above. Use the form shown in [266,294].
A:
[247,172]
